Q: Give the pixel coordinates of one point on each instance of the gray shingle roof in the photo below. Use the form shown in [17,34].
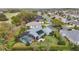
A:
[75,22]
[71,35]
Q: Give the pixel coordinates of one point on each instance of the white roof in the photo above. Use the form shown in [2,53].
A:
[33,24]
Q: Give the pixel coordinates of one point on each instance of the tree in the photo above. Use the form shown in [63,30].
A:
[3,17]
[75,48]
[61,42]
[22,30]
[57,22]
[68,17]
[13,10]
[60,38]
[1,41]
[10,43]
[57,34]
[23,17]
[16,20]
[75,27]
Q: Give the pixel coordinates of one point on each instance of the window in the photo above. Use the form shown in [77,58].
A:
[40,32]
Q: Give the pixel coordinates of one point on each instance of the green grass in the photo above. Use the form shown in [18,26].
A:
[9,15]
[1,41]
[51,39]
[50,44]
[17,32]
[10,43]
[45,45]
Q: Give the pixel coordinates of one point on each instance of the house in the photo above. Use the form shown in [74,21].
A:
[34,34]
[38,18]
[75,23]
[65,20]
[72,35]
[33,24]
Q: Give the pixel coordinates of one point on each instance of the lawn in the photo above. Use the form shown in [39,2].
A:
[50,44]
[51,39]
[9,15]
[45,45]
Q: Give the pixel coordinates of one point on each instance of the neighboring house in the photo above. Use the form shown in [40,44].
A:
[33,24]
[38,18]
[65,20]
[75,23]
[76,16]
[72,35]
[56,16]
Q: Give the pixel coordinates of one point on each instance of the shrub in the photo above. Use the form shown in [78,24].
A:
[75,48]
[3,17]
[1,41]
[10,43]
[23,17]
[42,47]
[61,42]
